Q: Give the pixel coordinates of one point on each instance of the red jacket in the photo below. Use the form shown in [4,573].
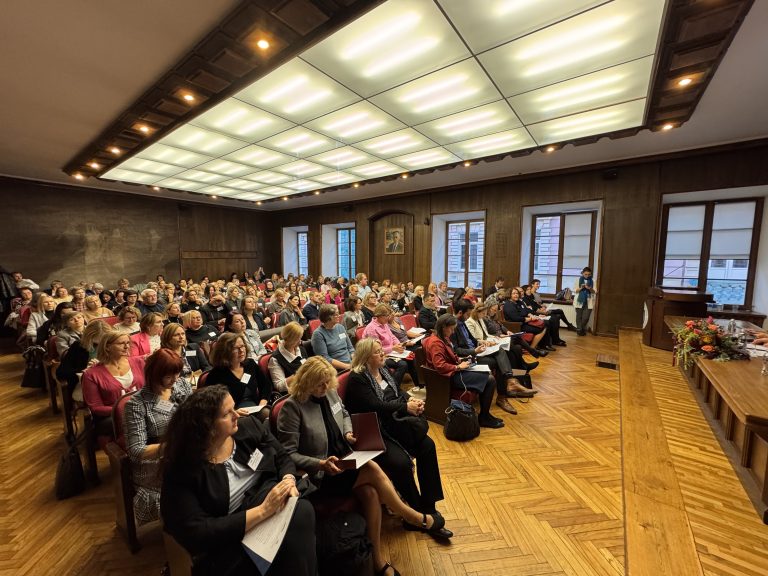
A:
[140,344]
[440,356]
[101,391]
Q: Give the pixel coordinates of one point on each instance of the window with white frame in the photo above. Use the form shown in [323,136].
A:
[563,244]
[465,253]
[302,241]
[345,246]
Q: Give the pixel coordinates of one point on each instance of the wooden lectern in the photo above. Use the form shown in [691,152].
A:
[670,302]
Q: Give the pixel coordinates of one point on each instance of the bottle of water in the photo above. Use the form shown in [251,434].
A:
[731,327]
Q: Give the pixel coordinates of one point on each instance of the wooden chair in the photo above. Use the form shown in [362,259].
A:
[359,334]
[440,393]
[179,560]
[50,363]
[120,463]
[343,380]
[201,382]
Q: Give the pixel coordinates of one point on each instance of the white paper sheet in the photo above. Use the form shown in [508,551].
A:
[479,368]
[403,354]
[418,330]
[263,541]
[489,351]
[360,457]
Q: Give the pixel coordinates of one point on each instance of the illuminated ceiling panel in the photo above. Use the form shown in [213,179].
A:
[393,43]
[414,84]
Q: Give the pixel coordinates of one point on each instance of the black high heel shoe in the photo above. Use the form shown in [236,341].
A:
[438,529]
[383,570]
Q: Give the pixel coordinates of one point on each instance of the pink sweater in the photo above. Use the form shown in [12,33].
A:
[101,390]
[382,333]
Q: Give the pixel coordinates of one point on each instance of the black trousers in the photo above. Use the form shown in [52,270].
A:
[559,315]
[396,463]
[398,368]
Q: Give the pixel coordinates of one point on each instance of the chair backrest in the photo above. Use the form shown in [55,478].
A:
[342,379]
[111,320]
[359,333]
[409,321]
[341,308]
[313,325]
[118,410]
[275,412]
[264,366]
[275,317]
[50,349]
[201,381]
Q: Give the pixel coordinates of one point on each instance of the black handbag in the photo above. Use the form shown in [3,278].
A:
[408,430]
[34,372]
[461,422]
[70,478]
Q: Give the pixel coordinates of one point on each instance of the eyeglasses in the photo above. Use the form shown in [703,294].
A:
[239,348]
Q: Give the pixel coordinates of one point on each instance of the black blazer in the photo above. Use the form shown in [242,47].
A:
[311,312]
[515,311]
[194,501]
[196,361]
[462,345]
[427,318]
[206,333]
[212,314]
[258,386]
[360,397]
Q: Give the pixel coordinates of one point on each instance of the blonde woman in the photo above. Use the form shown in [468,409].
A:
[316,431]
[94,310]
[287,359]
[74,322]
[371,388]
[129,320]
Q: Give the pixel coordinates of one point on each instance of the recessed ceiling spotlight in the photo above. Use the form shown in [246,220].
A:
[667,126]
[356,185]
[684,82]
[258,202]
[285,197]
[317,192]
[144,129]
[115,150]
[550,148]
[79,176]
[467,163]
[189,97]
[156,188]
[262,44]
[95,165]
[214,196]
[403,176]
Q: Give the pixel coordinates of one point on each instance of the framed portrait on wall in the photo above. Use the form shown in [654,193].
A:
[394,241]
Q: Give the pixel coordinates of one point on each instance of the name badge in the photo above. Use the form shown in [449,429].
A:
[245,378]
[342,336]
[190,353]
[219,308]
[336,408]
[253,461]
[383,384]
[212,334]
[164,406]
[302,360]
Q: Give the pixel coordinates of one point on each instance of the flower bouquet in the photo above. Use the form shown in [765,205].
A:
[707,339]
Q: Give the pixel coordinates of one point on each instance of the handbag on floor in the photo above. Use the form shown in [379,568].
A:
[461,422]
[70,478]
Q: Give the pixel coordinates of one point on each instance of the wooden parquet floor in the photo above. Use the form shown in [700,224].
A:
[542,496]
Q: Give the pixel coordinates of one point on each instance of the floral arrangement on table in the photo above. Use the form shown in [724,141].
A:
[707,339]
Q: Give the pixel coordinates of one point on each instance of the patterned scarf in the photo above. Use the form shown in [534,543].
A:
[375,385]
[584,294]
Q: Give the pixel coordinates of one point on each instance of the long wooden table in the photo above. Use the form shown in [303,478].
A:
[734,398]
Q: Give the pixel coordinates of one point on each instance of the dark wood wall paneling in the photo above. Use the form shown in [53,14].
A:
[631,196]
[70,234]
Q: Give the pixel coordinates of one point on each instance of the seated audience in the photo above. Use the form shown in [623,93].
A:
[43,313]
[174,339]
[478,328]
[149,302]
[211,497]
[371,388]
[442,293]
[215,311]
[331,341]
[235,323]
[288,358]
[74,322]
[495,329]
[173,314]
[129,317]
[234,298]
[131,299]
[278,302]
[379,330]
[146,419]
[115,375]
[427,317]
[440,356]
[52,326]
[418,298]
[333,296]
[94,309]
[253,317]
[240,374]
[292,312]
[535,285]
[551,321]
[353,316]
[61,295]
[81,354]
[191,301]
[148,338]
[316,431]
[78,299]
[370,301]
[515,311]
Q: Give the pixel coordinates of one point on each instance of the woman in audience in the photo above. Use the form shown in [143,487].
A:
[371,388]
[293,288]
[292,312]
[442,293]
[331,341]
[478,328]
[379,330]
[173,313]
[370,301]
[81,354]
[552,323]
[496,329]
[42,314]
[252,315]
[288,358]
[129,320]
[277,304]
[174,339]
[56,323]
[234,298]
[235,323]
[515,311]
[94,310]
[78,299]
[441,358]
[146,419]
[170,296]
[418,299]
[469,294]
[197,331]
[115,375]
[61,295]
[148,338]
[353,317]
[316,431]
[269,288]
[399,302]
[211,496]
[332,296]
[211,290]
[240,374]
[191,300]
[458,294]
[427,317]
[74,322]
[107,300]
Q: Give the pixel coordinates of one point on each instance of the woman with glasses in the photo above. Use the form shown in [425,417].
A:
[330,340]
[115,375]
[249,388]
